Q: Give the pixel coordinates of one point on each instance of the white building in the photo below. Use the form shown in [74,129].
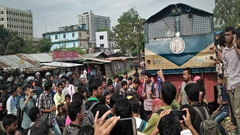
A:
[17,20]
[103,44]
[93,23]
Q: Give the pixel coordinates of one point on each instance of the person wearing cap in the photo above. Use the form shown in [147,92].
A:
[223,110]
[47,75]
[37,75]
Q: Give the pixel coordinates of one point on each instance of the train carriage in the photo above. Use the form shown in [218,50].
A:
[181,36]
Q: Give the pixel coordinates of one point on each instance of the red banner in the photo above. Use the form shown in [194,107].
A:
[65,55]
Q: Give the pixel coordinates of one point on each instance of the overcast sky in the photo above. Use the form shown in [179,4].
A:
[57,13]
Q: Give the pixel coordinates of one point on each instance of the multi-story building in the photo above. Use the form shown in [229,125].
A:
[17,20]
[93,23]
[103,44]
[68,37]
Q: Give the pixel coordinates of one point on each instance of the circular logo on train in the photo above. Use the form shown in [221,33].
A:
[177,45]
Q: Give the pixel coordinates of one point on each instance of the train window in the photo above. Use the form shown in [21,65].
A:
[194,24]
[162,29]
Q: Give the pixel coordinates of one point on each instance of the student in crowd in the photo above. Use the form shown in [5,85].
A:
[187,74]
[106,99]
[133,89]
[26,103]
[231,62]
[123,90]
[149,93]
[71,87]
[110,88]
[130,81]
[46,105]
[113,100]
[223,110]
[12,102]
[59,98]
[10,125]
[125,76]
[168,93]
[40,128]
[61,117]
[140,124]
[116,81]
[75,112]
[192,92]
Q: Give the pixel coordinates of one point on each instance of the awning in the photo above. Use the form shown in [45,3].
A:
[61,64]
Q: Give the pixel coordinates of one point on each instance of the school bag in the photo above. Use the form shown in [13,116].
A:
[88,115]
[207,126]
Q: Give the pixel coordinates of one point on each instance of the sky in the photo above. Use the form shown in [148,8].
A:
[48,15]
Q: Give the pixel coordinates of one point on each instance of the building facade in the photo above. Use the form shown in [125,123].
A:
[103,44]
[69,37]
[93,23]
[17,20]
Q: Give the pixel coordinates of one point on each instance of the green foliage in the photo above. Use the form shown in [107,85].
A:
[129,32]
[10,42]
[226,13]
[79,50]
[44,45]
[29,48]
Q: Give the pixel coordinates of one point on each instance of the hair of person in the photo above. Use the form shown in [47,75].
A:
[116,76]
[27,86]
[123,108]
[74,108]
[19,85]
[67,96]
[3,87]
[40,128]
[58,107]
[200,84]
[114,98]
[124,83]
[130,78]
[192,91]
[37,83]
[134,105]
[47,85]
[70,80]
[33,112]
[169,125]
[221,39]
[238,33]
[148,74]
[230,28]
[109,83]
[125,73]
[78,96]
[189,70]
[82,89]
[103,79]
[168,91]
[109,80]
[86,130]
[8,120]
[136,81]
[120,78]
[59,84]
[94,84]
[13,89]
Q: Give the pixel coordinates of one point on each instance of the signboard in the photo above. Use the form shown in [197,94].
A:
[65,55]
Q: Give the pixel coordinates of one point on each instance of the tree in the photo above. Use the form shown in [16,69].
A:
[10,42]
[29,48]
[79,50]
[129,32]
[226,13]
[44,45]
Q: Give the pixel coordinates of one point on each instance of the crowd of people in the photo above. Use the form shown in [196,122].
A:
[70,105]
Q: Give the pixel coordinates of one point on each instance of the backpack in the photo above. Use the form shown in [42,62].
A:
[152,88]
[75,132]
[207,126]
[88,115]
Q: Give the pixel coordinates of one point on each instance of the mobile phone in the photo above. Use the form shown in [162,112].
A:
[179,113]
[125,126]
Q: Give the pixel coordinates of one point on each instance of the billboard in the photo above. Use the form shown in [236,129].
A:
[65,55]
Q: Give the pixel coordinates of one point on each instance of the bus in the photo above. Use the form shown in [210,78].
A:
[181,36]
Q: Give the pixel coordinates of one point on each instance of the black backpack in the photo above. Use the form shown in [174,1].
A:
[88,115]
[152,88]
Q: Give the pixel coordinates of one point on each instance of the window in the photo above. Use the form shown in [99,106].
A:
[56,37]
[102,45]
[79,34]
[64,35]
[73,34]
[74,45]
[64,46]
[162,29]
[101,37]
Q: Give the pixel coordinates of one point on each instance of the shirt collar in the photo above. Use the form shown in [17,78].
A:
[92,99]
